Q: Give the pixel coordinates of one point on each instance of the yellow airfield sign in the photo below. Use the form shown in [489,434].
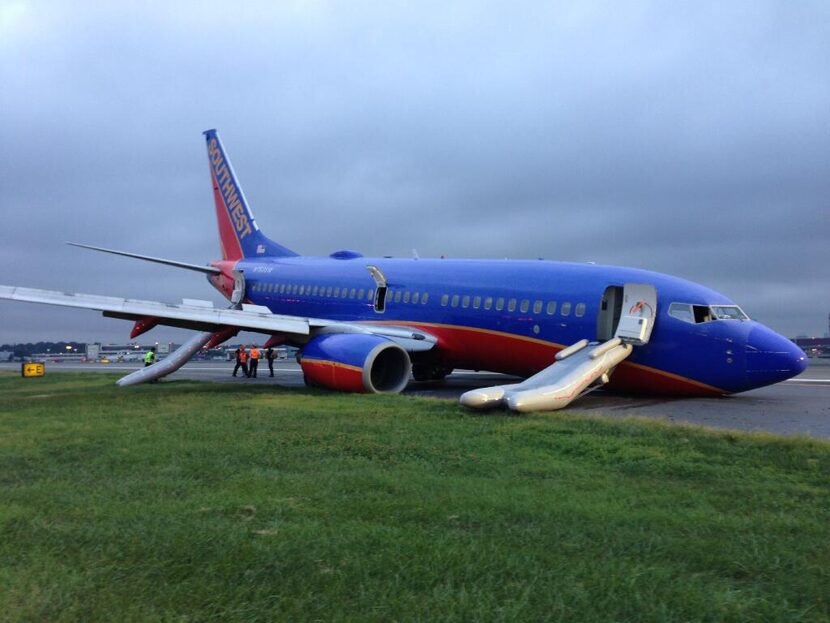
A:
[32,369]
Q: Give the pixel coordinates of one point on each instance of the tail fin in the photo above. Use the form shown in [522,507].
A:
[239,235]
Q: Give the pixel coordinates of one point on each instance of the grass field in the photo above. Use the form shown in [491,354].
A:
[188,501]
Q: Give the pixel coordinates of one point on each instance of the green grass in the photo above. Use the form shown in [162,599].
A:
[187,501]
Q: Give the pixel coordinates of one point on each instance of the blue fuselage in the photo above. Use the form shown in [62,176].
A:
[512,316]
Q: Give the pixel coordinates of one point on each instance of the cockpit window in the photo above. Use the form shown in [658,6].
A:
[681,311]
[702,313]
[697,314]
[729,312]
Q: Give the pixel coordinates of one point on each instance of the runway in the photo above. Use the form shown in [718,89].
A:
[800,406]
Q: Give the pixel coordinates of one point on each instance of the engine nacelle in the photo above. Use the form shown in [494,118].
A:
[356,362]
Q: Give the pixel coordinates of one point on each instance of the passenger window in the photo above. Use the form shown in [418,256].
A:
[476,302]
[328,291]
[398,296]
[551,308]
[360,293]
[565,310]
[425,298]
[415,297]
[302,289]
[445,298]
[351,293]
[579,311]
[511,305]
[537,307]
[488,302]
[370,295]
[524,306]
[315,291]
[282,288]
[465,302]
[499,303]
[337,293]
[406,296]
[454,302]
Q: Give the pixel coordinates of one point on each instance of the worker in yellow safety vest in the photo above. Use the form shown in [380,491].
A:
[150,357]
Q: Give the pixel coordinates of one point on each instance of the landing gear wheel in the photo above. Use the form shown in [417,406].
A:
[425,372]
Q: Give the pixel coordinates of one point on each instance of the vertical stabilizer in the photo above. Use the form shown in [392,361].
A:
[239,235]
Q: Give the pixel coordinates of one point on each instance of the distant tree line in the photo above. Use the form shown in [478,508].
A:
[25,350]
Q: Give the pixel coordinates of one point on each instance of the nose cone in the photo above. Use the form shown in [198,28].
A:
[771,358]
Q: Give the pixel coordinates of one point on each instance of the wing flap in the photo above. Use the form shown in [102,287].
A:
[202,316]
[189,316]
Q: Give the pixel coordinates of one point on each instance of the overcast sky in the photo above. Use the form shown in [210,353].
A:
[687,138]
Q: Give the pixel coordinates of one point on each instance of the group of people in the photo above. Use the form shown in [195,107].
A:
[249,362]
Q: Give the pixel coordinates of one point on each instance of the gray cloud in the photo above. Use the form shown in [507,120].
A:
[690,139]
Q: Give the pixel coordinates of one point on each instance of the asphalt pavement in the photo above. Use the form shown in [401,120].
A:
[800,406]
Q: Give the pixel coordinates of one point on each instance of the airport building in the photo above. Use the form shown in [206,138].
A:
[814,346]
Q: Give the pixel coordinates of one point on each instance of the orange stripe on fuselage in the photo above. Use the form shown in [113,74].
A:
[485,349]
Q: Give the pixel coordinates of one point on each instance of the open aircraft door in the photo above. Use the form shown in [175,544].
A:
[639,311]
[238,288]
[380,288]
[629,311]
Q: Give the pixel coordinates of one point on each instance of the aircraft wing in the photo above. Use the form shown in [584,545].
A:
[202,316]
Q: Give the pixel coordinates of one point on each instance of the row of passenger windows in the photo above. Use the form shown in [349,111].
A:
[337,292]
[303,290]
[416,298]
[488,302]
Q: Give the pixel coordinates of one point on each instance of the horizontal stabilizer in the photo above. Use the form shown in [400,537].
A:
[210,270]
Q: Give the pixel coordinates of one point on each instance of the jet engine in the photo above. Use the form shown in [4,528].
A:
[355,362]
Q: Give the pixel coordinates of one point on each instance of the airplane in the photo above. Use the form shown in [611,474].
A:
[371,324]
[126,356]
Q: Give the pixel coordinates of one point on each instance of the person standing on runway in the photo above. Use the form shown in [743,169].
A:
[254,360]
[270,355]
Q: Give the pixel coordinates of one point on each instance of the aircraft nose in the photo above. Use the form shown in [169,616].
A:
[771,358]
